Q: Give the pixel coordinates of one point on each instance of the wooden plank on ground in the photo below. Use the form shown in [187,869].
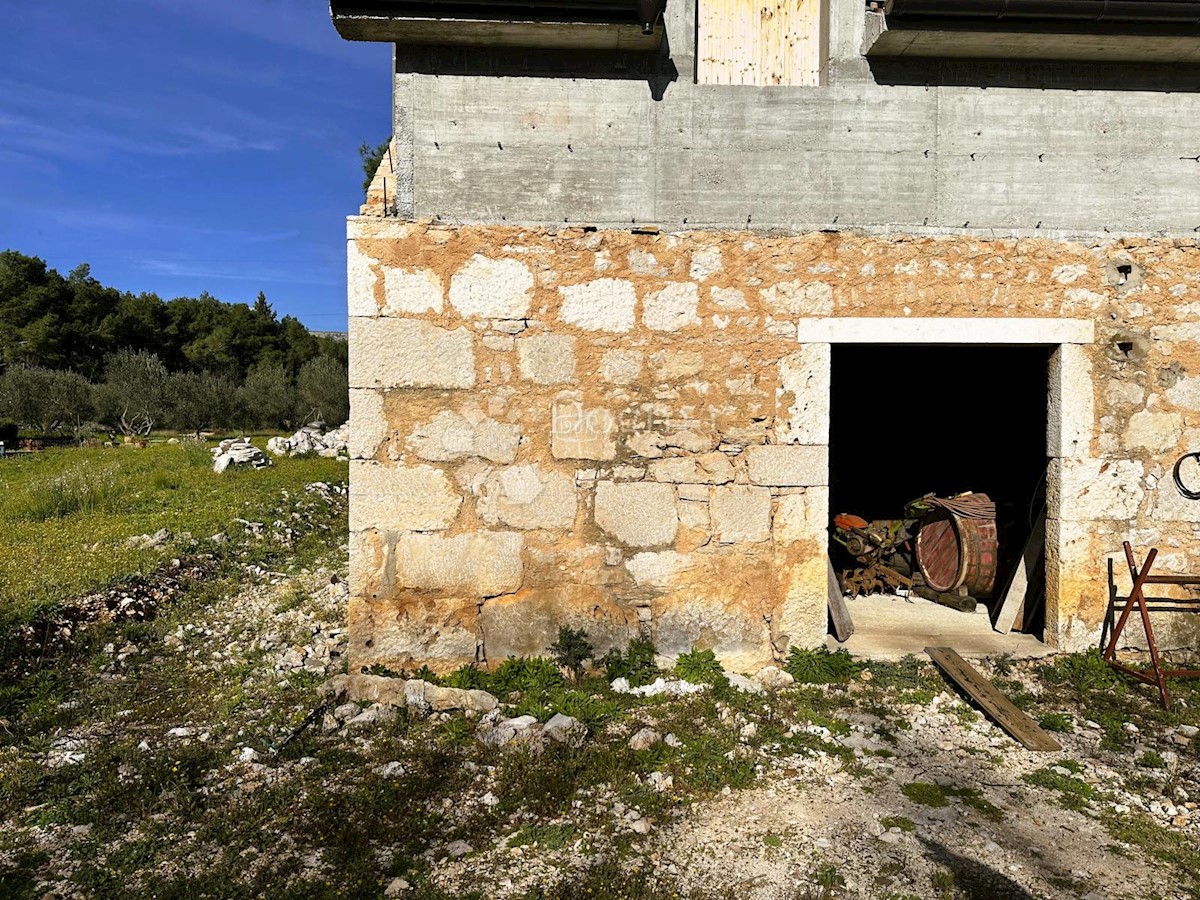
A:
[1031,557]
[843,627]
[995,704]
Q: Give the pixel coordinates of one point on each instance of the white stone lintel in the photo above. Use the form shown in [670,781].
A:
[941,330]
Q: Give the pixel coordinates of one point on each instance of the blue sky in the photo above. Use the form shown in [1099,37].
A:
[188,145]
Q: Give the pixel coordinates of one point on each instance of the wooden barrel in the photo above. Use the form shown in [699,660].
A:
[957,551]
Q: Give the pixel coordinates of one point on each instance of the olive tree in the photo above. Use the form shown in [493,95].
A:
[134,394]
[324,389]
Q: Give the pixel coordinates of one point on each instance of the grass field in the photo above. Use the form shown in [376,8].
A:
[67,515]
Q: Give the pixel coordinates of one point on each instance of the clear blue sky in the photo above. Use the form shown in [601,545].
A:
[188,145]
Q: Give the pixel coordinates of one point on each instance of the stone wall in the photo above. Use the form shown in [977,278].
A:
[623,431]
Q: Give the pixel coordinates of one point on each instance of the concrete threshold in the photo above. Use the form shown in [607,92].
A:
[888,627]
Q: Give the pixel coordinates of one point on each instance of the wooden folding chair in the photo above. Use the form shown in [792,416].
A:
[1157,675]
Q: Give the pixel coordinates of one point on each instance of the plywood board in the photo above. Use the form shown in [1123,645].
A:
[843,626]
[1031,557]
[779,42]
[998,707]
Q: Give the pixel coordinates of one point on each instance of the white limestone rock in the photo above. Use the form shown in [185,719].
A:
[796,298]
[788,465]
[412,291]
[741,513]
[803,396]
[492,288]
[606,304]
[401,498]
[396,353]
[360,281]
[452,435]
[672,308]
[621,366]
[528,497]
[578,432]
[476,564]
[368,426]
[637,513]
[547,358]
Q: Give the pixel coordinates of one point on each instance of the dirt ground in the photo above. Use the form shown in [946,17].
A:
[190,752]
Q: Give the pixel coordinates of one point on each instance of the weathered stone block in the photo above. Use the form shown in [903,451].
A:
[450,435]
[1185,393]
[401,498]
[712,606]
[656,569]
[729,298]
[672,308]
[371,573]
[621,366]
[1083,489]
[440,633]
[637,513]
[643,262]
[802,404]
[606,304]
[477,564]
[1071,414]
[788,466]
[368,427]
[694,514]
[360,282]
[804,589]
[581,433]
[801,517]
[796,298]
[1156,432]
[706,468]
[705,263]
[527,623]
[547,358]
[412,291]
[528,497]
[492,288]
[399,353]
[673,365]
[740,513]
[1168,505]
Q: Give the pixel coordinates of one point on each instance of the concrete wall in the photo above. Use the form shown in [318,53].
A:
[914,147]
[627,432]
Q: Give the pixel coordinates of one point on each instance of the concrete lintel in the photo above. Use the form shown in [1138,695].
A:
[910,330]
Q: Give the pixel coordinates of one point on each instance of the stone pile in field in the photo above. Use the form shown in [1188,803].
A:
[310,439]
[238,452]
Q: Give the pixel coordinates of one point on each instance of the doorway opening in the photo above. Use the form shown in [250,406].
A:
[907,421]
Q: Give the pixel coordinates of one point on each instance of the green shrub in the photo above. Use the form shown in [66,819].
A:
[1085,671]
[821,666]
[533,675]
[1152,759]
[636,664]
[571,649]
[701,667]
[1060,722]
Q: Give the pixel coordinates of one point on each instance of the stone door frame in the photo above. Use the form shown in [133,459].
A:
[1070,410]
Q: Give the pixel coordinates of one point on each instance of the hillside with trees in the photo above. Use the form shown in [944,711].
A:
[78,357]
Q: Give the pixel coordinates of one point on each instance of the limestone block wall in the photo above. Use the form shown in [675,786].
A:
[627,432]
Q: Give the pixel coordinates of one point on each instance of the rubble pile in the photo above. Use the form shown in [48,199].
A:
[238,452]
[310,439]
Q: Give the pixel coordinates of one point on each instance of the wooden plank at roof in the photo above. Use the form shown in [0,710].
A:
[995,704]
[1031,557]
[843,626]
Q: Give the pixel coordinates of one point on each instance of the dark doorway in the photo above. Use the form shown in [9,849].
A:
[908,420]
